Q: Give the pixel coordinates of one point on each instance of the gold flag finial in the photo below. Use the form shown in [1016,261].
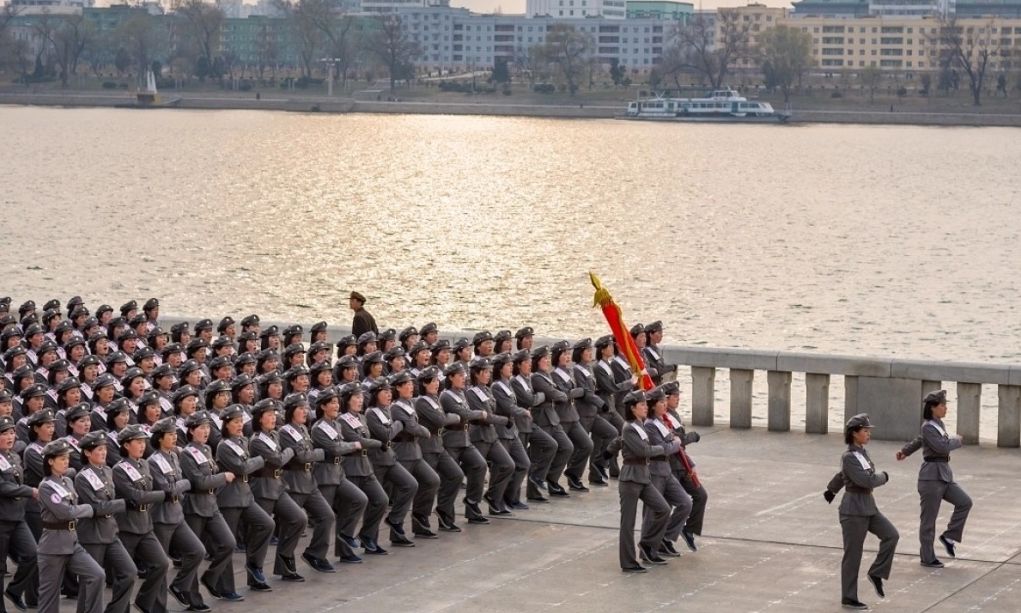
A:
[602,296]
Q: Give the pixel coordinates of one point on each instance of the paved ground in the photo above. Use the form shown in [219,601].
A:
[771,543]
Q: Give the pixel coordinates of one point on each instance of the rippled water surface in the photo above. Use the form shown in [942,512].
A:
[851,239]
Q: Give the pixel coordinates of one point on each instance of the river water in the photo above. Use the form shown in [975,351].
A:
[875,240]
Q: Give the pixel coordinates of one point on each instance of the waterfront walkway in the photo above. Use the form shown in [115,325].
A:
[771,543]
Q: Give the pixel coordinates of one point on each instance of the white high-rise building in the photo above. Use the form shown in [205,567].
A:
[610,9]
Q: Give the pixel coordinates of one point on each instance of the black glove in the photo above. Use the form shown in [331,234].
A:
[829,496]
[887,475]
[607,456]
[695,437]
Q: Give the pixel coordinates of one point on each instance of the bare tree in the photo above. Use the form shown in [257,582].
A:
[302,17]
[968,49]
[784,54]
[68,36]
[142,40]
[394,48]
[711,51]
[568,52]
[336,29]
[871,77]
[267,49]
[202,24]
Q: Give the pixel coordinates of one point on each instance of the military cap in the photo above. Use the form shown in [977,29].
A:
[387,335]
[6,423]
[222,341]
[540,351]
[77,412]
[392,353]
[292,350]
[502,335]
[461,343]
[936,398]
[378,385]
[74,341]
[148,397]
[12,332]
[357,296]
[188,367]
[430,373]
[183,392]
[155,332]
[439,346]
[500,359]
[244,358]
[400,378]
[127,307]
[118,405]
[196,344]
[240,382]
[266,404]
[179,327]
[481,337]
[347,390]
[428,328]
[150,304]
[247,335]
[163,370]
[406,332]
[234,411]
[250,320]
[103,308]
[319,326]
[637,329]
[318,346]
[143,353]
[219,362]
[520,356]
[269,331]
[348,361]
[33,329]
[115,357]
[198,418]
[89,360]
[319,367]
[49,315]
[48,346]
[325,396]
[130,374]
[59,365]
[29,319]
[480,364]
[417,348]
[6,319]
[56,448]
[294,330]
[138,320]
[96,438]
[295,371]
[524,332]
[28,305]
[453,369]
[375,356]
[292,401]
[671,388]
[861,420]
[104,380]
[604,341]
[36,389]
[14,352]
[655,395]
[39,417]
[5,302]
[51,304]
[203,324]
[68,384]
[164,426]
[117,322]
[584,343]
[5,396]
[346,341]
[131,433]
[74,301]
[633,398]
[90,323]
[217,387]
[270,377]
[225,323]
[21,372]
[170,348]
[78,311]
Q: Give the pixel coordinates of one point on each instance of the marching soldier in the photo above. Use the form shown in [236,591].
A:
[99,534]
[590,408]
[409,453]
[509,435]
[684,470]
[484,436]
[662,474]
[431,415]
[458,444]
[541,446]
[547,417]
[16,541]
[612,390]
[359,469]
[394,477]
[570,420]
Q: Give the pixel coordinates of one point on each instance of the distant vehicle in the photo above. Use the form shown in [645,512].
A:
[722,105]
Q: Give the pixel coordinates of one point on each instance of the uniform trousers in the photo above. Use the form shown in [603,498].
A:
[425,496]
[677,498]
[565,448]
[699,499]
[474,467]
[583,446]
[115,559]
[602,432]
[290,522]
[258,529]
[320,513]
[376,507]
[348,504]
[91,580]
[653,531]
[931,494]
[517,453]
[179,541]
[219,541]
[16,542]
[542,448]
[148,554]
[451,476]
[397,480]
[501,469]
[854,528]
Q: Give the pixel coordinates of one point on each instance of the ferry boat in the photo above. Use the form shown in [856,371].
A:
[722,105]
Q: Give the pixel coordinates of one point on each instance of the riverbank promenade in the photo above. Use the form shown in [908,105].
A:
[771,543]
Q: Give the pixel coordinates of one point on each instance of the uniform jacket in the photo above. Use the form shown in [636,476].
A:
[565,382]
[232,456]
[589,404]
[268,483]
[659,435]
[197,466]
[383,429]
[456,436]
[480,398]
[545,413]
[936,446]
[407,444]
[133,482]
[507,406]
[59,504]
[94,486]
[13,492]
[860,478]
[363,322]
[609,388]
[299,472]
[352,429]
[432,416]
[527,399]
[326,435]
[168,477]
[635,449]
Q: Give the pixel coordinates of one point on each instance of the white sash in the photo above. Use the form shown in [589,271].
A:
[130,470]
[863,460]
[162,463]
[330,431]
[640,430]
[4,464]
[238,449]
[94,480]
[292,432]
[200,458]
[378,412]
[268,440]
[939,428]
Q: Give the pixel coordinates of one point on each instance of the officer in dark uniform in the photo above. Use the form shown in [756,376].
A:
[363,321]
[433,418]
[173,532]
[99,534]
[59,548]
[133,482]
[16,541]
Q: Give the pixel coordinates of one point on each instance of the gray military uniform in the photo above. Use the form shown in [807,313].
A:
[541,446]
[16,540]
[483,435]
[547,417]
[407,447]
[510,436]
[59,549]
[99,535]
[858,516]
[302,487]
[347,501]
[663,480]
[591,409]
[935,484]
[432,417]
[133,482]
[360,472]
[170,526]
[271,494]
[236,500]
[459,446]
[570,420]
[399,482]
[202,513]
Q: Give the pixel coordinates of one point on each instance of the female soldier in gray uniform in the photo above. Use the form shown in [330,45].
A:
[859,514]
[409,453]
[58,546]
[16,539]
[432,417]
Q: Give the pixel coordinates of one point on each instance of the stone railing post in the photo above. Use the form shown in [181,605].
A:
[1009,432]
[779,383]
[969,402]
[703,395]
[741,397]
[817,405]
